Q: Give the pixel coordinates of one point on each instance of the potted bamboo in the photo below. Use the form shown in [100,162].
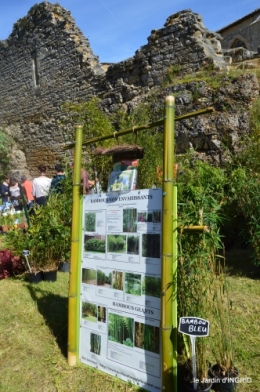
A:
[48,237]
[202,381]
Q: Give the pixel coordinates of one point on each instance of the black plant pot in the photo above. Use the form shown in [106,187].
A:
[64,266]
[35,277]
[188,387]
[225,383]
[50,276]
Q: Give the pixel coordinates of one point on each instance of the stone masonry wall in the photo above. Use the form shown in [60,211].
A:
[247,31]
[183,41]
[47,61]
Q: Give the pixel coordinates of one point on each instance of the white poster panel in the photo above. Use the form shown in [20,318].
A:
[121,285]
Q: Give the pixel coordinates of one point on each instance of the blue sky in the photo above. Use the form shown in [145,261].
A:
[117,28]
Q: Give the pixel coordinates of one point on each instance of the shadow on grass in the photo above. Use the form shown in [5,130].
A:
[54,309]
[239,262]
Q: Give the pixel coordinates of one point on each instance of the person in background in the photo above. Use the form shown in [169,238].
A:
[57,185]
[16,194]
[86,183]
[27,186]
[4,190]
[41,186]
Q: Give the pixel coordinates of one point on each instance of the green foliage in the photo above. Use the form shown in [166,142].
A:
[151,140]
[243,186]
[120,329]
[101,278]
[48,238]
[95,124]
[207,74]
[201,196]
[133,284]
[129,220]
[89,309]
[133,244]
[200,191]
[128,342]
[151,286]
[116,243]
[95,245]
[173,72]
[90,221]
[5,149]
[88,275]
[151,245]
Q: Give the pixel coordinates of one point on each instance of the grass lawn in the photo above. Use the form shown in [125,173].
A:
[244,281]
[33,334]
[33,342]
[90,318]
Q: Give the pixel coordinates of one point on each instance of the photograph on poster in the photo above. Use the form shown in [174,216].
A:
[130,220]
[151,245]
[90,221]
[116,243]
[104,278]
[89,276]
[156,216]
[151,286]
[147,337]
[142,217]
[89,312]
[95,343]
[133,283]
[121,329]
[95,243]
[118,280]
[102,314]
[133,244]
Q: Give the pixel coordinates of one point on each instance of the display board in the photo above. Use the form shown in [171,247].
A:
[121,285]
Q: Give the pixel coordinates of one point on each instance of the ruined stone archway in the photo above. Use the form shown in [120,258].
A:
[238,42]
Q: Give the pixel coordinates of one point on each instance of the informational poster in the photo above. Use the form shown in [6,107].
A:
[121,285]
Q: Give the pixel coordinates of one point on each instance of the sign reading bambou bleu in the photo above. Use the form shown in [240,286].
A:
[194,326]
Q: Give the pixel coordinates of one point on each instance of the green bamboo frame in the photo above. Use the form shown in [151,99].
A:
[167,248]
[140,128]
[73,302]
[169,324]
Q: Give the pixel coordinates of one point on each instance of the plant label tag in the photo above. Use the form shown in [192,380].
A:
[194,326]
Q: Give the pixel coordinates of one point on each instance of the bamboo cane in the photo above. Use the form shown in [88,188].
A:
[140,128]
[73,329]
[79,269]
[174,299]
[167,247]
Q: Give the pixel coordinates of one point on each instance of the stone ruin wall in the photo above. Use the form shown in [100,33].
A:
[47,61]
[183,41]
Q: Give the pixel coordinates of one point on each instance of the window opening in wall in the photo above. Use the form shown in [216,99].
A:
[238,43]
[35,68]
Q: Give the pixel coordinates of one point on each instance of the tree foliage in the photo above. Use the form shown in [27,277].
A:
[5,149]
